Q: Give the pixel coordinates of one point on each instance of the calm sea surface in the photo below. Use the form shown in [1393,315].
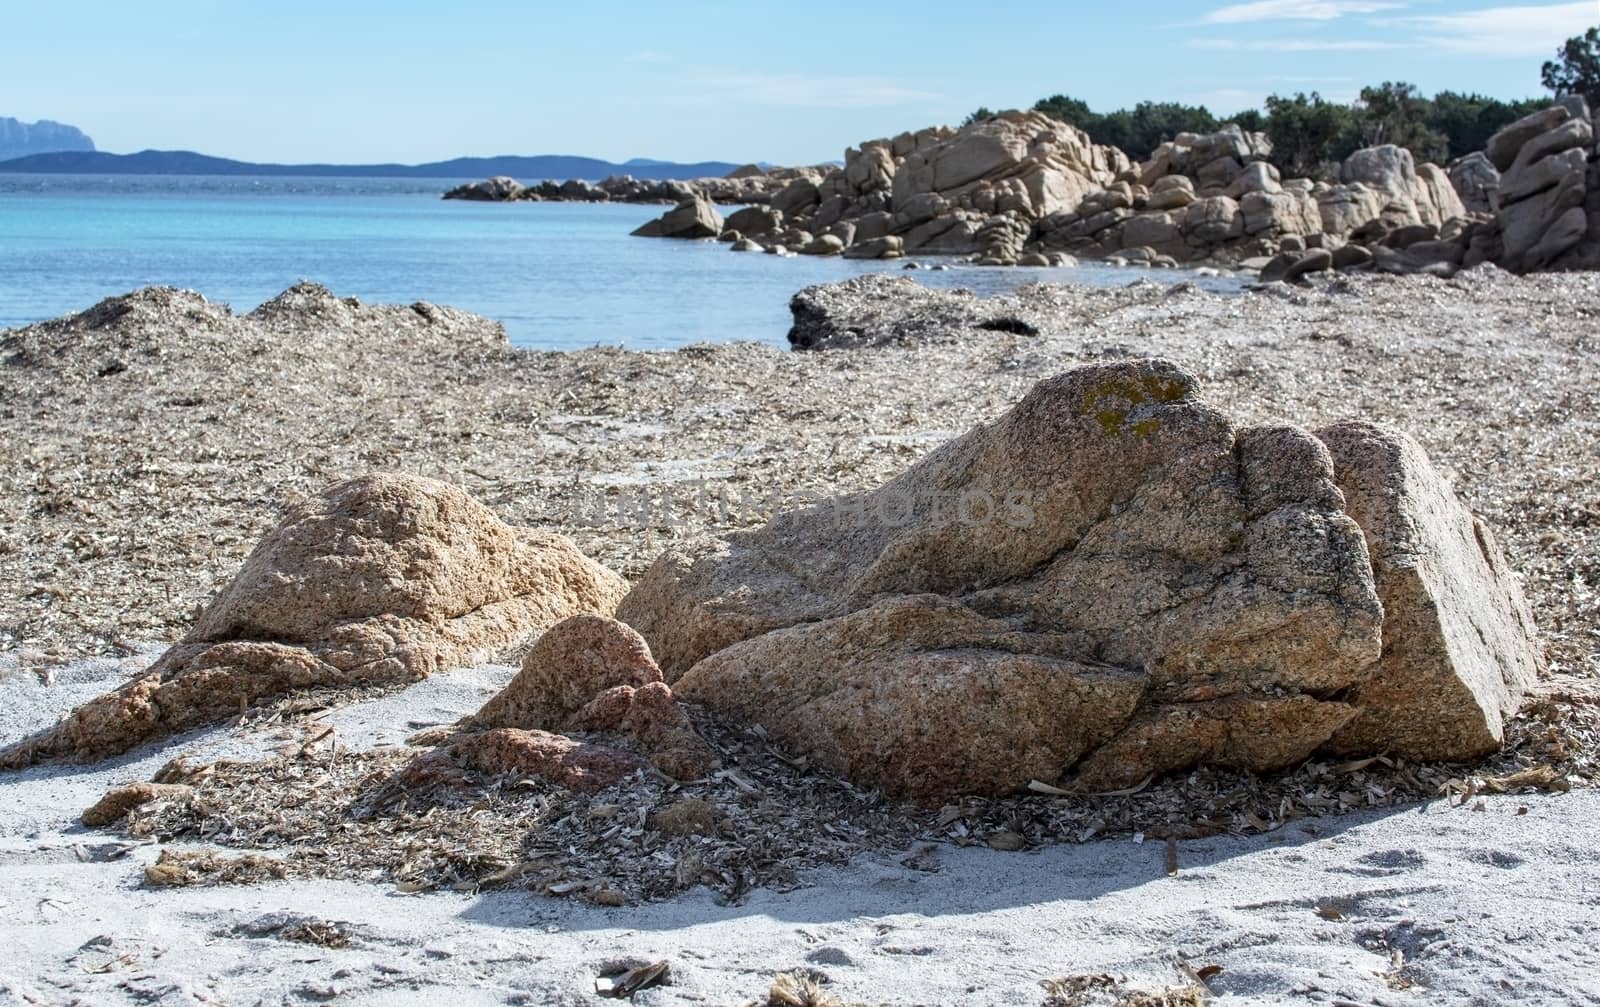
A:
[556,274]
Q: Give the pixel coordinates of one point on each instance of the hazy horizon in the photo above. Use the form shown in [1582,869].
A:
[301,83]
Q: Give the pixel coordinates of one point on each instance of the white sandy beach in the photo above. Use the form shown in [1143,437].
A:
[1424,905]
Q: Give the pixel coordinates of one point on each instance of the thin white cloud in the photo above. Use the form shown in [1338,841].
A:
[1294,10]
[1296,44]
[1536,30]
[807,91]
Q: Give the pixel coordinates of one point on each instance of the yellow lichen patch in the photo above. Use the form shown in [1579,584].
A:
[1111,400]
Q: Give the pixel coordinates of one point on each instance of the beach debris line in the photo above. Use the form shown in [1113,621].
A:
[648,838]
[1110,582]
[1102,990]
[381,580]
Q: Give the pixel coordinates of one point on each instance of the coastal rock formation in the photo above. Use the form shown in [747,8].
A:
[746,185]
[1546,191]
[383,579]
[1025,189]
[587,675]
[491,190]
[1109,581]
[695,217]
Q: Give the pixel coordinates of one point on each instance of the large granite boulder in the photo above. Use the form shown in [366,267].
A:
[1456,629]
[384,579]
[1477,182]
[1543,186]
[1109,581]
[694,217]
[1412,195]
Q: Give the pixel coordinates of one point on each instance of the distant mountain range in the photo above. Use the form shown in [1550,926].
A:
[87,161]
[21,139]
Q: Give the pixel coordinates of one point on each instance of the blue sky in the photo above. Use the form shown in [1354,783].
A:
[407,81]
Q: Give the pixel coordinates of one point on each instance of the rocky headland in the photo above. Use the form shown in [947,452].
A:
[749,184]
[1026,189]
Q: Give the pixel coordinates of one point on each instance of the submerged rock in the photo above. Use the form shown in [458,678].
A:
[1110,581]
[383,579]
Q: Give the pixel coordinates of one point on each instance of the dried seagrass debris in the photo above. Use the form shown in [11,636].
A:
[120,800]
[1101,990]
[181,868]
[623,979]
[761,822]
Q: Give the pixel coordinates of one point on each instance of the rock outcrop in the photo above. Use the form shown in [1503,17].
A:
[1109,581]
[1025,189]
[746,185]
[1549,192]
[380,580]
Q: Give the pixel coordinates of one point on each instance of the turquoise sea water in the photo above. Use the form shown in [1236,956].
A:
[558,275]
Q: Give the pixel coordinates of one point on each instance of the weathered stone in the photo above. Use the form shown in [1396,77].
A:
[1476,181]
[887,247]
[591,673]
[1459,646]
[1156,230]
[1139,555]
[694,217]
[800,194]
[1503,146]
[933,699]
[824,244]
[1214,220]
[754,221]
[384,579]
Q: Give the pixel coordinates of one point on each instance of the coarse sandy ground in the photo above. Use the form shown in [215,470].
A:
[1423,905]
[147,444]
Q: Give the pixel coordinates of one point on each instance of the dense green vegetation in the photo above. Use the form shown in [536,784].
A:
[1309,132]
[1576,68]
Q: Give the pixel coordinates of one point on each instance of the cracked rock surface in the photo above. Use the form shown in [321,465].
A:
[1109,581]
